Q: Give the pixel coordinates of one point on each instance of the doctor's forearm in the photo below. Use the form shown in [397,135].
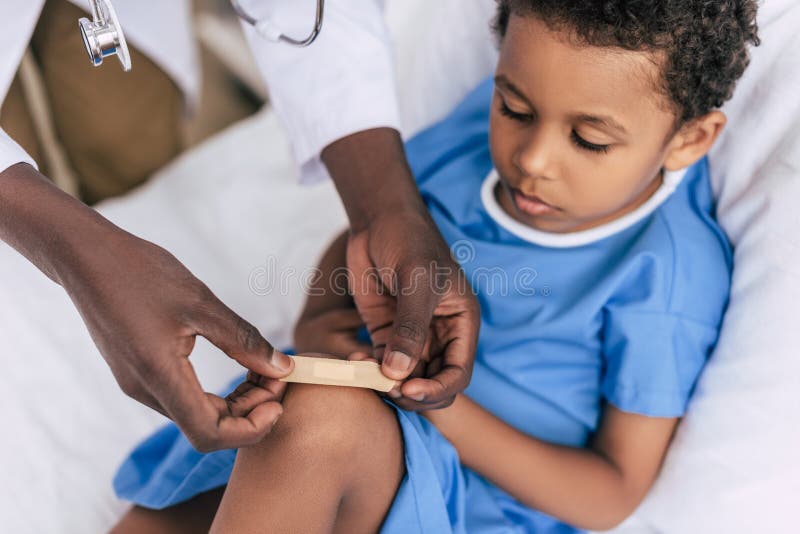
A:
[372,176]
[44,224]
[392,231]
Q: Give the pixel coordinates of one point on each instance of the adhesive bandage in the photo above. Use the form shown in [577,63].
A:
[328,372]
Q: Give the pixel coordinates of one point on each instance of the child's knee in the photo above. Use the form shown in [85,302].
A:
[333,421]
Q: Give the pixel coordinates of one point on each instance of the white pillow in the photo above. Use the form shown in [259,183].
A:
[733,466]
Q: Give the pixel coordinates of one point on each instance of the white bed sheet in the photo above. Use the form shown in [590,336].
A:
[732,467]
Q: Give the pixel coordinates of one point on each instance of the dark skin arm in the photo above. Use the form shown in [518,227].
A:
[594,488]
[144,309]
[420,312]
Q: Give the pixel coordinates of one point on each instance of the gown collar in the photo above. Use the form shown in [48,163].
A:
[575,239]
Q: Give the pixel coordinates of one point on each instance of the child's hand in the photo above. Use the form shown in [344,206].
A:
[331,332]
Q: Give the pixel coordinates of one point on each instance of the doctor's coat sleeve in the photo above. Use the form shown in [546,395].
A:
[341,84]
[11,153]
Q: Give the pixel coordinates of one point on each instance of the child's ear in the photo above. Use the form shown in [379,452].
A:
[694,140]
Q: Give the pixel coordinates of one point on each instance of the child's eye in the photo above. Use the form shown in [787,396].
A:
[511,114]
[580,142]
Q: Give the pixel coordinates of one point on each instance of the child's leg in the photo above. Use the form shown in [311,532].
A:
[194,516]
[332,463]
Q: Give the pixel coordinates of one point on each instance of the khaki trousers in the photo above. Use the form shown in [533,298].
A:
[116,128]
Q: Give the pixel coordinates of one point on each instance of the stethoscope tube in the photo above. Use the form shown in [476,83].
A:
[266,29]
[97,12]
[103,35]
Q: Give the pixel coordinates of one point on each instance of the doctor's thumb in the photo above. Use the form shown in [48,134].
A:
[409,335]
[243,342]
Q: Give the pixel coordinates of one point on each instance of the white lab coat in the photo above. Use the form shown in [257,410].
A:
[341,84]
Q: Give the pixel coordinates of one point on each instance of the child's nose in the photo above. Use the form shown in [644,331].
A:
[536,155]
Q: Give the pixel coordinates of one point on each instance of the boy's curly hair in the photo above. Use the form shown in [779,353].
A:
[703,42]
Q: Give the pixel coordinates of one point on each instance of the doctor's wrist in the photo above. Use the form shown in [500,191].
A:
[372,176]
[53,230]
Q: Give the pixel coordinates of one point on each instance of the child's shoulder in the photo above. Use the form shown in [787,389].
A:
[459,139]
[687,250]
[662,317]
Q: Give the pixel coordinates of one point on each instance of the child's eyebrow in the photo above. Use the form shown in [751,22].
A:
[602,120]
[505,83]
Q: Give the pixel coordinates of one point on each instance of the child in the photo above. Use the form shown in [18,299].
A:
[575,192]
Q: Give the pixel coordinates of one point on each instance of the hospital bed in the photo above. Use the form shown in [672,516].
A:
[733,467]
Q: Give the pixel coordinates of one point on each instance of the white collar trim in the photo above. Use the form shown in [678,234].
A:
[575,239]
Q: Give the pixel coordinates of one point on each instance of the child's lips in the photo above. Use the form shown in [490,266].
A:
[532,205]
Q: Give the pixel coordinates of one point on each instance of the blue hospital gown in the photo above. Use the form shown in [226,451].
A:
[626,314]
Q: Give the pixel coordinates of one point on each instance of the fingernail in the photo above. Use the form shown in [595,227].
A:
[399,361]
[275,422]
[281,361]
[419,397]
[395,394]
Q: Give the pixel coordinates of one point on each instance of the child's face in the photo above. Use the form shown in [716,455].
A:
[579,135]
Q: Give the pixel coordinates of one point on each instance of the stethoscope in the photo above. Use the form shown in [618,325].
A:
[103,36]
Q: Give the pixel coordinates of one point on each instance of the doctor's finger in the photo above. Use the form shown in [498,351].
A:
[413,406]
[209,422]
[441,387]
[454,344]
[130,381]
[410,329]
[241,401]
[151,402]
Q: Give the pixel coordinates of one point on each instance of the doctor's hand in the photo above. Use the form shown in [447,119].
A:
[144,310]
[421,313]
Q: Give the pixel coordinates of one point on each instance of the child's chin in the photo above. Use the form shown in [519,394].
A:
[545,223]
